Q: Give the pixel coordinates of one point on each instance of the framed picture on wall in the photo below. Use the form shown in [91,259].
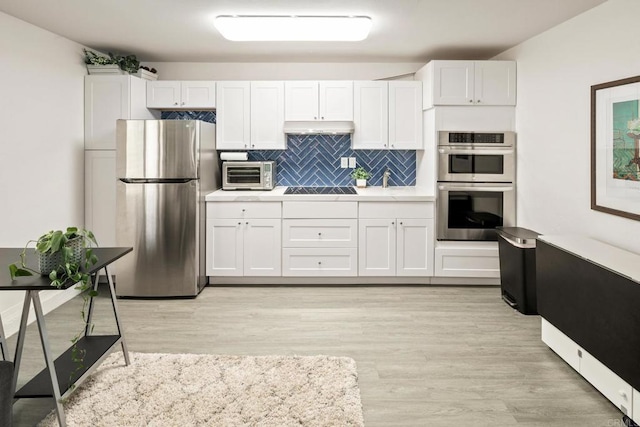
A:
[615,147]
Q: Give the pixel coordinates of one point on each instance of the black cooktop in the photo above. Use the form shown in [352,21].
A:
[320,190]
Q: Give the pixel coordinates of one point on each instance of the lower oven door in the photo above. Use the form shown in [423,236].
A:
[476,164]
[472,211]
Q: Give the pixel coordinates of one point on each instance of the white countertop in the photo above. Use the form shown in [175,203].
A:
[368,194]
[610,257]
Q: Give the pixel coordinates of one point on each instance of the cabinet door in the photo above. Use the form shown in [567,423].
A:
[262,247]
[453,83]
[336,100]
[100,195]
[415,247]
[267,116]
[301,100]
[377,247]
[224,247]
[495,83]
[106,99]
[198,94]
[405,115]
[163,94]
[370,115]
[232,119]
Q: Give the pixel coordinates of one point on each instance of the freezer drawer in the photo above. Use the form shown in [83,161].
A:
[161,222]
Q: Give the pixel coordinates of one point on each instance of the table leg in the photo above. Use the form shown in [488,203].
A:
[94,286]
[48,357]
[20,343]
[3,342]
[114,303]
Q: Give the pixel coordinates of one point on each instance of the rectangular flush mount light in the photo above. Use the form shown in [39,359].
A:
[293,28]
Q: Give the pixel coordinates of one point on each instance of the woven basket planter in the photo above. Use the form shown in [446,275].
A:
[49,262]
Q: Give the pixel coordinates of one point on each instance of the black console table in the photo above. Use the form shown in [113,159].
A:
[589,301]
[55,380]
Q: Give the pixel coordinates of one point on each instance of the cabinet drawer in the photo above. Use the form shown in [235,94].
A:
[479,260]
[244,210]
[320,233]
[614,388]
[395,210]
[320,209]
[319,262]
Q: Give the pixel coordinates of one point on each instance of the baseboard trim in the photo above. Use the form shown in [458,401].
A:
[365,281]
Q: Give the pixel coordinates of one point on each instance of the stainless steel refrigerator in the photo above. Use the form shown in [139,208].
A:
[164,168]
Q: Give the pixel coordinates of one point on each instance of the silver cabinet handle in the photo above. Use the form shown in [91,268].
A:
[315,118]
[175,103]
[471,101]
[247,223]
[239,223]
[319,262]
[393,223]
[478,101]
[400,222]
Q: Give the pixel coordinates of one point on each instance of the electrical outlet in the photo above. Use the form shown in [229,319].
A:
[344,162]
[352,162]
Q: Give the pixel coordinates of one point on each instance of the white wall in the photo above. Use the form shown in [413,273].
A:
[42,139]
[283,71]
[555,72]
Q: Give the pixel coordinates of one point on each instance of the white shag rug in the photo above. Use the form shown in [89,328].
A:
[209,390]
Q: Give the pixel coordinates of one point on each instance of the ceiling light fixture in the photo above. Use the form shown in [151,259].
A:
[293,28]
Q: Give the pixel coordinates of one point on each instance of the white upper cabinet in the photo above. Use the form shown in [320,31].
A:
[267,116]
[468,83]
[233,126]
[318,100]
[405,115]
[250,115]
[181,95]
[107,99]
[388,115]
[370,115]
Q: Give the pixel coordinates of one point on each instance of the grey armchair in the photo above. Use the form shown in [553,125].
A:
[6,400]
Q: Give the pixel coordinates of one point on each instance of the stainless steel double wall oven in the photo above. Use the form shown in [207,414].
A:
[476,184]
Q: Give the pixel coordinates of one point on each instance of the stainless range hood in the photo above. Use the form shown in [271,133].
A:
[318,127]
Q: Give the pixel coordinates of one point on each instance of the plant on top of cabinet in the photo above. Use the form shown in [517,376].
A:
[107,64]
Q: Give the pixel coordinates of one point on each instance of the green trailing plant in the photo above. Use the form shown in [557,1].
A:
[360,173]
[70,269]
[92,58]
[127,63]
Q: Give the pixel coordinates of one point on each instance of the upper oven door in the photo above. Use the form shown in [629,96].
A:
[480,164]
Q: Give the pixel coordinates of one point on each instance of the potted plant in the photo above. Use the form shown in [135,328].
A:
[63,256]
[361,176]
[98,64]
[115,64]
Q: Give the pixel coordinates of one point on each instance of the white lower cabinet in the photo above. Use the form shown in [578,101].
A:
[467,259]
[320,239]
[614,388]
[244,245]
[395,239]
[336,262]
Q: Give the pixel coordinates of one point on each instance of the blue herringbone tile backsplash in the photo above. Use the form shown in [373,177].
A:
[314,160]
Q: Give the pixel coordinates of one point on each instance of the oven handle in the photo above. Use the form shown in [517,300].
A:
[475,188]
[477,151]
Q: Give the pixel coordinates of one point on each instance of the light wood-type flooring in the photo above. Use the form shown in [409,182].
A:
[426,355]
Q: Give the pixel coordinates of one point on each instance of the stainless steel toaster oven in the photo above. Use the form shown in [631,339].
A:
[249,175]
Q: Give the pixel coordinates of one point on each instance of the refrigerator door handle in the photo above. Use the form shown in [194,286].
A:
[155,180]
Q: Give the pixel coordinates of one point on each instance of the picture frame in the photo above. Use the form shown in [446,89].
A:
[615,147]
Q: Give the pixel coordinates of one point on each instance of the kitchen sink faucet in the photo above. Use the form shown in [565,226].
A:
[385,178]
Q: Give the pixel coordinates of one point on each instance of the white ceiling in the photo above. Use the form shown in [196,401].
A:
[403,30]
